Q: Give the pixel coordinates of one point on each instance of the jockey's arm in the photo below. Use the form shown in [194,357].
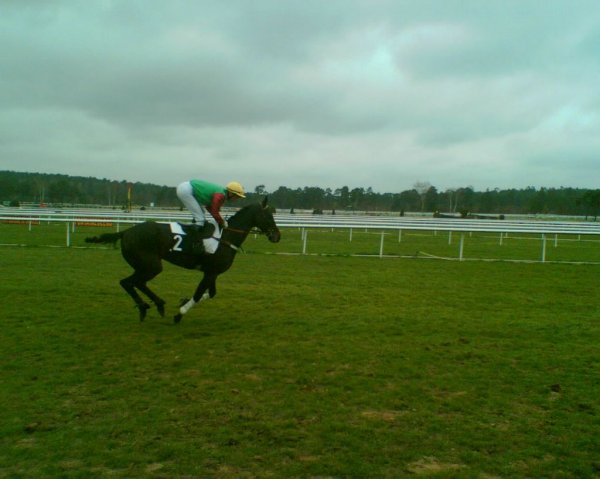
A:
[215,206]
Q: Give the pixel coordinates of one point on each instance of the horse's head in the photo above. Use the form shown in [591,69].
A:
[257,215]
[265,222]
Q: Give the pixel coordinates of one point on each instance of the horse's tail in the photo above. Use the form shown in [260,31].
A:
[105,238]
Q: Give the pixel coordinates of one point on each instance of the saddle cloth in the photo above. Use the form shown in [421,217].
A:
[210,244]
[176,228]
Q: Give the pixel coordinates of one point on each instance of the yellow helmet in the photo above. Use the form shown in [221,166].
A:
[235,188]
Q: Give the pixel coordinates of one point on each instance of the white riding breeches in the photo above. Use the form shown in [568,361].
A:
[185,193]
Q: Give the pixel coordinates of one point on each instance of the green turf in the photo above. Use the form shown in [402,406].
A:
[302,366]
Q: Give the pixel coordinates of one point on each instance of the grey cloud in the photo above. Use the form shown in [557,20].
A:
[269,79]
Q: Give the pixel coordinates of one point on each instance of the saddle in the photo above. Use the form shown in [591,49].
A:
[203,232]
[199,239]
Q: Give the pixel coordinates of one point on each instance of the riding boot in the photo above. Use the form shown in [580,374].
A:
[197,243]
[207,230]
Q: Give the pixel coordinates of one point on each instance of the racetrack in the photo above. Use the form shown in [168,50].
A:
[302,366]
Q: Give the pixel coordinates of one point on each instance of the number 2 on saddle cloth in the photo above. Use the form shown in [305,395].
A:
[194,239]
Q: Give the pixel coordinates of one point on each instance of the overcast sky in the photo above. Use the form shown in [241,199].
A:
[328,93]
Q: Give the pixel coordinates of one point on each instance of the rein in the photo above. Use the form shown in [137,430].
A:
[238,231]
[229,243]
[251,231]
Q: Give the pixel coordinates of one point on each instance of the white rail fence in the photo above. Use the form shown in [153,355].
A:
[383,224]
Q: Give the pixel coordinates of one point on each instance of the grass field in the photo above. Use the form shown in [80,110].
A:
[302,366]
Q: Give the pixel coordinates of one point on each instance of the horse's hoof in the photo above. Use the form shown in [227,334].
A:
[177,318]
[161,309]
[143,310]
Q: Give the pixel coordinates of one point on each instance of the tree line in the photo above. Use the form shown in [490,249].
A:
[40,188]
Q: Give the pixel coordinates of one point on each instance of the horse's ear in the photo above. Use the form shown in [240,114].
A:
[265,201]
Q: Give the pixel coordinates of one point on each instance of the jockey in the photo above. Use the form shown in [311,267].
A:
[200,196]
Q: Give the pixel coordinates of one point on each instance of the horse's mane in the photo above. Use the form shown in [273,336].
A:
[245,209]
[251,206]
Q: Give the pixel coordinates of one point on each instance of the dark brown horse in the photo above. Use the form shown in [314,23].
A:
[145,245]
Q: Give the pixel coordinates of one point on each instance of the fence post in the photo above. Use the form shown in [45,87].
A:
[462,244]
[304,235]
[68,234]
[399,236]
[450,237]
[381,244]
[350,235]
[543,247]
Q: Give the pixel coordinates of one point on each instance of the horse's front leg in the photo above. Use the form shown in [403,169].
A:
[207,288]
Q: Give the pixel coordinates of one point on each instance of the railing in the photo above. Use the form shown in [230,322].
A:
[319,221]
[304,222]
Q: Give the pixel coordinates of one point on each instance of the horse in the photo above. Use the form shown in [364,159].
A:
[145,245]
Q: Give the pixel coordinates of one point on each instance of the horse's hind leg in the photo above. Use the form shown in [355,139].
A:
[128,285]
[146,266]
[158,301]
